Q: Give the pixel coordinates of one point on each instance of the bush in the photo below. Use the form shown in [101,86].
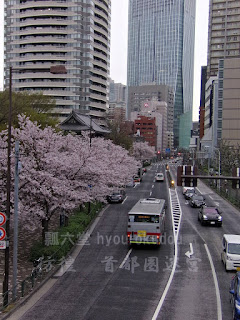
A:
[65,237]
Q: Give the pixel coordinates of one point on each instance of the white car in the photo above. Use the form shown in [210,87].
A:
[159,177]
[185,189]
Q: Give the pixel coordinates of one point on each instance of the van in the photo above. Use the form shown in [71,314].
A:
[231,251]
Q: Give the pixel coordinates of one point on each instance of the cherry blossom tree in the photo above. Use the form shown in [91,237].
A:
[58,173]
[143,151]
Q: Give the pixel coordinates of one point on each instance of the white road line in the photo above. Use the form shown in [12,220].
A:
[199,190]
[124,200]
[210,197]
[219,307]
[174,202]
[125,259]
[150,193]
[153,186]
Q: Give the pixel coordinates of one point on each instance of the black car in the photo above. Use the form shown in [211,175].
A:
[197,201]
[116,196]
[210,215]
[189,193]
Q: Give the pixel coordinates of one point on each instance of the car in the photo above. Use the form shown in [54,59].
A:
[184,189]
[136,179]
[197,201]
[234,291]
[189,193]
[230,254]
[131,183]
[116,196]
[159,177]
[210,215]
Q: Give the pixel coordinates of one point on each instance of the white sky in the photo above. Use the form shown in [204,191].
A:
[118,62]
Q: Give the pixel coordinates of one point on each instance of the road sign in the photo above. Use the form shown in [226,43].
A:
[2,233]
[2,219]
[2,244]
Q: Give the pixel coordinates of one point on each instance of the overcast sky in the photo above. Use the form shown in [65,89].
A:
[118,62]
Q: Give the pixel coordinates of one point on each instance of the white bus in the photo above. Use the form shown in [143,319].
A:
[146,221]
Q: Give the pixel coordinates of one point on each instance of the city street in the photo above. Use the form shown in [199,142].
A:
[107,280]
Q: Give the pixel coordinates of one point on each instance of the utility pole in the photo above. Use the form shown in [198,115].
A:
[8,200]
[15,236]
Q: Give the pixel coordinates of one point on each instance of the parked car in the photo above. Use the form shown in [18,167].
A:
[197,201]
[210,215]
[159,177]
[136,179]
[189,193]
[235,295]
[116,196]
[184,189]
[131,183]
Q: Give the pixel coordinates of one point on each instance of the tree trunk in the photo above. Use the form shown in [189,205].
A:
[44,229]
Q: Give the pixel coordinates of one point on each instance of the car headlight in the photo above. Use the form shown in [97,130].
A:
[220,218]
[229,258]
[205,217]
[237,305]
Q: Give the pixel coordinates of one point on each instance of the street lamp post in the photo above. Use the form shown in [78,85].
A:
[90,144]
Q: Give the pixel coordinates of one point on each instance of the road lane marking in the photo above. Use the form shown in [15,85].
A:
[210,197]
[219,307]
[125,259]
[124,200]
[177,213]
[189,253]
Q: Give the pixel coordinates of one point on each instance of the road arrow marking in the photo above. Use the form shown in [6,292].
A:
[189,253]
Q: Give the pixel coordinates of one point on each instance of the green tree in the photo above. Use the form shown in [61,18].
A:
[36,106]
[120,134]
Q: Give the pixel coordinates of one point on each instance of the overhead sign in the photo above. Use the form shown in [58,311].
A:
[2,219]
[2,233]
[2,244]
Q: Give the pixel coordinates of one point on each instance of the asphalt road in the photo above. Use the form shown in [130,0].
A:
[99,286]
[95,287]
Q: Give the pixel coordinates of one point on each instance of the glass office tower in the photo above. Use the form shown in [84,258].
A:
[161,50]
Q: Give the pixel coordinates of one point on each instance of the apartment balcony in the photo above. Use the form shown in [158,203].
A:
[50,21]
[102,22]
[100,72]
[42,4]
[42,48]
[101,30]
[99,89]
[98,80]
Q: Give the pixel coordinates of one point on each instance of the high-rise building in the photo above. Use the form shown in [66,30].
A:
[117,92]
[40,34]
[161,50]
[223,34]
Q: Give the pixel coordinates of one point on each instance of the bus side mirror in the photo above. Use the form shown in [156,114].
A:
[231,291]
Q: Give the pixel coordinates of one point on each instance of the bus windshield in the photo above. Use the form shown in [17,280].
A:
[143,218]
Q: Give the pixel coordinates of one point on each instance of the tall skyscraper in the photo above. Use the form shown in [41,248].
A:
[223,34]
[75,34]
[161,51]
